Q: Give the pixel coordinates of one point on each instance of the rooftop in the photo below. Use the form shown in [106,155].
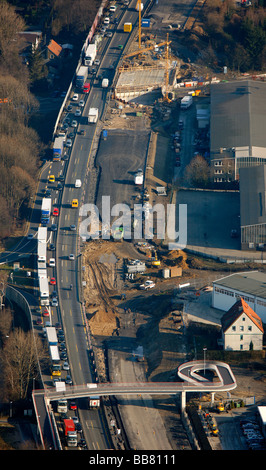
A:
[250,283]
[238,117]
[238,309]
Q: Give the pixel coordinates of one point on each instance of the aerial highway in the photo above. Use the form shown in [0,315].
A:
[65,235]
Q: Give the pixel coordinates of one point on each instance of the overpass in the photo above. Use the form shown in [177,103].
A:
[195,376]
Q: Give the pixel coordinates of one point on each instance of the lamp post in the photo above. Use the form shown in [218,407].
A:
[204,359]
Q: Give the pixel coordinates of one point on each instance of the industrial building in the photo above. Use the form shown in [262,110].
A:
[237,127]
[252,207]
[250,286]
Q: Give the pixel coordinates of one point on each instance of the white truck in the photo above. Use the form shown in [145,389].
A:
[105,83]
[93,115]
[44,290]
[186,102]
[62,406]
[90,54]
[138,177]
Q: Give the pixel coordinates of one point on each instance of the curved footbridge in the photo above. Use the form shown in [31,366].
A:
[196,376]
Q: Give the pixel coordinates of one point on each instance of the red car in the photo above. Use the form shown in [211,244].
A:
[39,321]
[72,405]
[56,212]
[52,281]
[45,312]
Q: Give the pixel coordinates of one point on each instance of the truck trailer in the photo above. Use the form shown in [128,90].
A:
[70,432]
[81,76]
[90,54]
[62,406]
[42,234]
[44,290]
[46,210]
[93,115]
[58,148]
[51,336]
[186,102]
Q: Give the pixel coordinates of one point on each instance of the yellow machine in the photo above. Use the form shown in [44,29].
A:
[75,203]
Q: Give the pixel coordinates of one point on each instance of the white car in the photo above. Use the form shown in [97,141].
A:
[52,262]
[82,103]
[71,256]
[106,20]
[147,285]
[75,97]
[74,123]
[69,143]
[97,62]
[112,8]
[66,366]
[78,112]
[54,302]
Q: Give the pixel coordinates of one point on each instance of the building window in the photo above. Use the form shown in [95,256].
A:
[241,346]
[241,337]
[243,318]
[241,328]
[233,328]
[250,328]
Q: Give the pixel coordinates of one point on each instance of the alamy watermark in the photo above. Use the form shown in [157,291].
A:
[136,224]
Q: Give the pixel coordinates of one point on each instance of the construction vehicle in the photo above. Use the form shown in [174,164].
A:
[220,407]
[154,259]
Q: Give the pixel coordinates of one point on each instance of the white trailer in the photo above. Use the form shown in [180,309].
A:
[44,290]
[51,336]
[41,252]
[42,234]
[93,115]
[186,102]
[138,177]
[90,54]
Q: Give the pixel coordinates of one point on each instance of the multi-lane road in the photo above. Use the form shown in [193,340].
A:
[67,271]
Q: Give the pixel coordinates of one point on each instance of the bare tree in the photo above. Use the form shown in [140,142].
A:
[19,360]
[197,173]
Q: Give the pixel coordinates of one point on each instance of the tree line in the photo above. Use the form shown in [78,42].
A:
[235,36]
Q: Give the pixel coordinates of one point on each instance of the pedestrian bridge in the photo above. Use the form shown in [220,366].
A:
[195,376]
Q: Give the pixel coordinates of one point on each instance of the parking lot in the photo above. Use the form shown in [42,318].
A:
[119,157]
[210,218]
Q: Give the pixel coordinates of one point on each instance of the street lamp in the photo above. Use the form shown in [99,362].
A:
[204,359]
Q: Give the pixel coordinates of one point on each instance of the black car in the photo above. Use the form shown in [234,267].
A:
[63,356]
[61,178]
[69,108]
[52,247]
[59,185]
[53,227]
[62,347]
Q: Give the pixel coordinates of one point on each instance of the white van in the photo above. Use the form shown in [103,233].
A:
[78,184]
[105,83]
[106,20]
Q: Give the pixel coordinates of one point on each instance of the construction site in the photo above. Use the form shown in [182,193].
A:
[141,333]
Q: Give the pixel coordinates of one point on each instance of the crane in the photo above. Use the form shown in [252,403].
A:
[147,49]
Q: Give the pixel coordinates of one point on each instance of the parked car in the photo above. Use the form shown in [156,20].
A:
[78,112]
[69,143]
[75,97]
[147,285]
[55,212]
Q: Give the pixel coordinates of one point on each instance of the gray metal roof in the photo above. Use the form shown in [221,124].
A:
[250,283]
[252,195]
[238,116]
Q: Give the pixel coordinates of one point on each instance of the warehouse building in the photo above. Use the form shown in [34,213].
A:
[237,127]
[250,286]
[253,207]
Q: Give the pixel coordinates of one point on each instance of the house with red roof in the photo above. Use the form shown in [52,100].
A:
[242,328]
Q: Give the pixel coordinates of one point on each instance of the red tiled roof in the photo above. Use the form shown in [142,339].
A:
[236,310]
[54,48]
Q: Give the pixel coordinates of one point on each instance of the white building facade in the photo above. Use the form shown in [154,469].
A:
[242,329]
[250,286]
